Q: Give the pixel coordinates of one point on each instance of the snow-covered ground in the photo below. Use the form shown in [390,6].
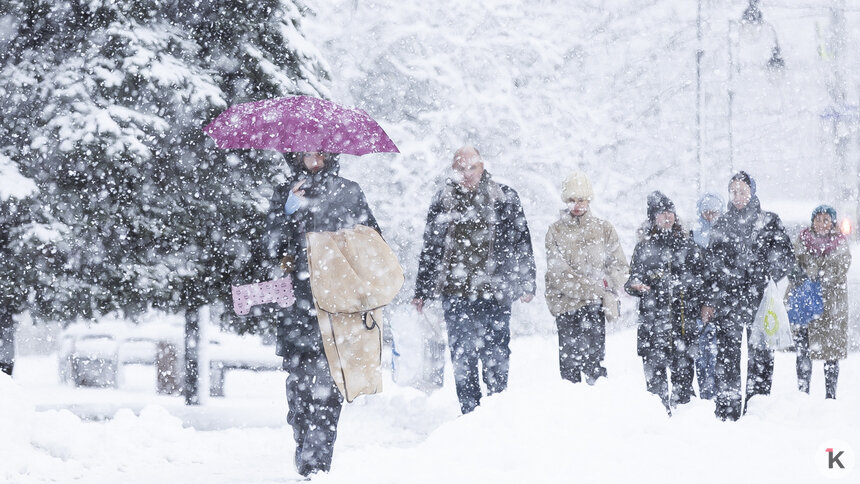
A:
[541,430]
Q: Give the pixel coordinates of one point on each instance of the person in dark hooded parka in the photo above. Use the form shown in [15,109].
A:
[747,247]
[664,276]
[314,199]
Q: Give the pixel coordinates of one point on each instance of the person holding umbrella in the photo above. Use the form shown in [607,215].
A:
[311,132]
[314,199]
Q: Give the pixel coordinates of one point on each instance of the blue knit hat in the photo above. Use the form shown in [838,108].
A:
[710,202]
[824,209]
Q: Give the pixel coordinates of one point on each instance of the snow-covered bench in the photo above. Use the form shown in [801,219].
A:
[94,354]
[232,352]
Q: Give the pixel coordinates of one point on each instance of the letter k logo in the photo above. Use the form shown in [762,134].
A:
[834,459]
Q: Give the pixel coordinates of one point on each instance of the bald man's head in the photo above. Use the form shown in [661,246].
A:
[468,167]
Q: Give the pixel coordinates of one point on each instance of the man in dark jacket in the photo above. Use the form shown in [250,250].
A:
[747,247]
[478,256]
[315,199]
[664,276]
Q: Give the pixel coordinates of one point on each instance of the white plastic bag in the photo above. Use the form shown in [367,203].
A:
[771,326]
[418,349]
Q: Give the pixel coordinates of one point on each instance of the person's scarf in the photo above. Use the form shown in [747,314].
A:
[818,244]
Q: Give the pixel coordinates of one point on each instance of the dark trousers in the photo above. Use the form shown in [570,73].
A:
[314,409]
[706,360]
[681,364]
[656,380]
[675,357]
[729,332]
[804,364]
[581,343]
[478,330]
[7,367]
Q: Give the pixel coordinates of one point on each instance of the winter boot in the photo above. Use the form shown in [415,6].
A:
[680,399]
[571,374]
[592,376]
[803,362]
[831,375]
[727,413]
[729,407]
[804,373]
[666,403]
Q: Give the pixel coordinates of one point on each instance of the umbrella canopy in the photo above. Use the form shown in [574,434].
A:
[299,124]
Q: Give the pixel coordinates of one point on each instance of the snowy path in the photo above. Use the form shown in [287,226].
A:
[540,430]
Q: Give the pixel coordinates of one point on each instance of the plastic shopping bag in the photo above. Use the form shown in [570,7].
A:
[418,348]
[771,325]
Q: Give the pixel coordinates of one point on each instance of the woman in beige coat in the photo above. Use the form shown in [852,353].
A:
[586,269]
[822,252]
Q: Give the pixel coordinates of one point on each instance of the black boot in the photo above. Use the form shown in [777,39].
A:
[831,374]
[804,373]
[728,408]
[804,363]
[680,398]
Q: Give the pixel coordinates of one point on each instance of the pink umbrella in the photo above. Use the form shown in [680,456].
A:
[299,124]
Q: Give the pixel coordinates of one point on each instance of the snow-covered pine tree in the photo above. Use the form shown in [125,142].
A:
[103,104]
[17,241]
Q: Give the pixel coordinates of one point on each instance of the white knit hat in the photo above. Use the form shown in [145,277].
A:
[576,186]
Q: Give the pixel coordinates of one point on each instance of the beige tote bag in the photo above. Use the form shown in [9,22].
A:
[353,274]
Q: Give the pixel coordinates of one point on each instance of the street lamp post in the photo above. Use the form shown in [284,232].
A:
[699,54]
[731,89]
[752,14]
[752,17]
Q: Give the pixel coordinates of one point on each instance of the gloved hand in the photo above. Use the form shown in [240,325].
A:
[293,203]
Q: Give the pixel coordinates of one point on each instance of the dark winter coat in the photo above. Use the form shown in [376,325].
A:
[670,264]
[747,247]
[510,265]
[333,203]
